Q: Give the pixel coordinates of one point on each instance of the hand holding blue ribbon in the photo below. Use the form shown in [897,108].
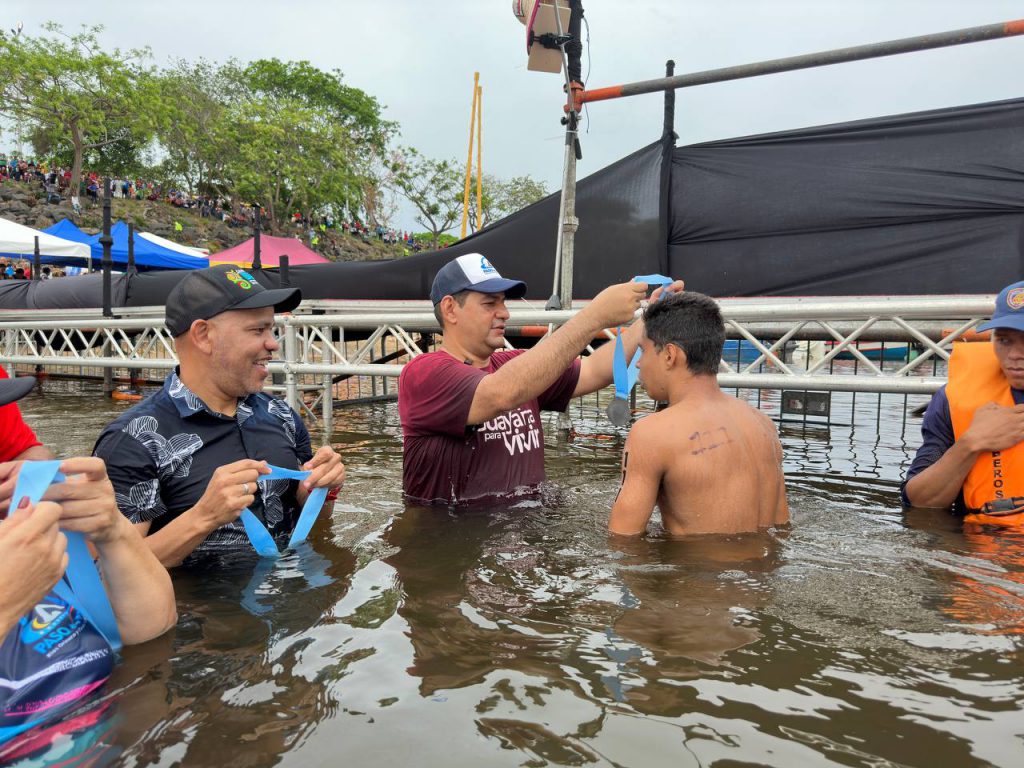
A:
[81,585]
[624,375]
[262,541]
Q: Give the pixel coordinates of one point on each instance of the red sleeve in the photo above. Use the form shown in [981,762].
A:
[16,436]
[435,392]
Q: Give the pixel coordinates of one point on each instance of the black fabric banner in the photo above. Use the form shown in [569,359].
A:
[617,239]
[925,203]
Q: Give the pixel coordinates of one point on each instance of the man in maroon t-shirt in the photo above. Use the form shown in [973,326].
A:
[470,411]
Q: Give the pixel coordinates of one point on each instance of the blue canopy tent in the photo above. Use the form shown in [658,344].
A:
[148,255]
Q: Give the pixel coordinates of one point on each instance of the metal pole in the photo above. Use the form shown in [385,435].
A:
[35,260]
[291,383]
[561,291]
[107,242]
[479,157]
[284,277]
[328,400]
[668,145]
[256,225]
[810,60]
[469,158]
[131,249]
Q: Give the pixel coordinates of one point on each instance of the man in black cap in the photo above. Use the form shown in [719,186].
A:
[187,461]
[470,411]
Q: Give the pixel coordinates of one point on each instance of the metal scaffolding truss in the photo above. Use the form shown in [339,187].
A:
[318,347]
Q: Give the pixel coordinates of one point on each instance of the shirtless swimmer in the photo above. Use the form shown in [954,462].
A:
[711,463]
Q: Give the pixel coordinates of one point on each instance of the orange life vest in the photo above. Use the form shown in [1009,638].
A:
[976,379]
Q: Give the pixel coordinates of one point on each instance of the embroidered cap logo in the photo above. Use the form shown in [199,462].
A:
[241,278]
[1015,299]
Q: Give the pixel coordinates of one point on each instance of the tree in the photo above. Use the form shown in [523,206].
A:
[67,91]
[299,138]
[288,158]
[514,195]
[193,131]
[501,198]
[434,187]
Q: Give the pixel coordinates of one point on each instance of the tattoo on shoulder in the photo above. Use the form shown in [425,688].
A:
[709,440]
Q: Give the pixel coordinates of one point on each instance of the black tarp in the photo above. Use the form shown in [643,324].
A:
[926,203]
[618,238]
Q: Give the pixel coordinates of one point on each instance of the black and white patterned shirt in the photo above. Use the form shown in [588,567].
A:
[161,454]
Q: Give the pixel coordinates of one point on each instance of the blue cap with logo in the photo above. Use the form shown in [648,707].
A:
[1009,309]
[473,272]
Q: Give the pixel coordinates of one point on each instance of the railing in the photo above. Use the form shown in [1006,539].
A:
[318,347]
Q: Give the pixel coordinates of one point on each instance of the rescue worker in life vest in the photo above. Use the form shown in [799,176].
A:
[973,450]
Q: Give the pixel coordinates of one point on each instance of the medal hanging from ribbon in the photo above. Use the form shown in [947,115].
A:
[81,585]
[261,538]
[625,375]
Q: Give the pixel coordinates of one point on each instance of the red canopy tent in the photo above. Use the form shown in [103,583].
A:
[271,250]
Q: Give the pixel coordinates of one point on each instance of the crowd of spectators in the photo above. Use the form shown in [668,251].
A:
[20,269]
[56,181]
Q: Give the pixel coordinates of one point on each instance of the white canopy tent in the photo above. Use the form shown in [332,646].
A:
[200,253]
[18,241]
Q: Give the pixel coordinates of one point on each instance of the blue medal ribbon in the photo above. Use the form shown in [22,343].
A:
[81,585]
[624,375]
[262,540]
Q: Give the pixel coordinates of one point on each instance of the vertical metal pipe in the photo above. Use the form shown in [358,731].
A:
[291,383]
[131,249]
[107,242]
[35,260]
[469,158]
[569,222]
[328,399]
[479,157]
[284,276]
[256,227]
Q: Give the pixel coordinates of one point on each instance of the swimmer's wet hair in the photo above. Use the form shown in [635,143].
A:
[691,321]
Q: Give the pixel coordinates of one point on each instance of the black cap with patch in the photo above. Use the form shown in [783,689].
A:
[205,293]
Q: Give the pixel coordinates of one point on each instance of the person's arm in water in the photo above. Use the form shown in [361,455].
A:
[138,586]
[596,369]
[32,558]
[642,470]
[528,375]
[994,428]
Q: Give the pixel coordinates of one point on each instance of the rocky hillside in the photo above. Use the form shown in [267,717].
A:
[26,204]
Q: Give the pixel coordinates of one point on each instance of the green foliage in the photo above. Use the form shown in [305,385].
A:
[501,198]
[66,93]
[434,187]
[192,132]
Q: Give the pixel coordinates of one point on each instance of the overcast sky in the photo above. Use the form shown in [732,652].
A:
[418,57]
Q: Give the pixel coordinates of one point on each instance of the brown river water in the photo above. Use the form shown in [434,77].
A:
[861,635]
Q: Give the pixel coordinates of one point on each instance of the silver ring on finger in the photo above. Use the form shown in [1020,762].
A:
[245,488]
